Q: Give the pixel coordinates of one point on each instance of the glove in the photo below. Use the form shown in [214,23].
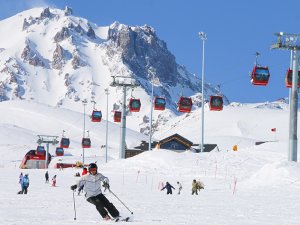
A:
[73,187]
[106,185]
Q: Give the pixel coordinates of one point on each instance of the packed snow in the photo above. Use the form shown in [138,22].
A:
[254,185]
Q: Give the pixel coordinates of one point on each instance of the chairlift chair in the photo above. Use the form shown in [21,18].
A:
[86,142]
[216,103]
[134,105]
[117,116]
[96,116]
[289,78]
[159,103]
[185,104]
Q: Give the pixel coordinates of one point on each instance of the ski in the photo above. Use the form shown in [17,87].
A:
[125,219]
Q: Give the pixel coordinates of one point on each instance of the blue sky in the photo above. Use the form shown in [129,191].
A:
[236,29]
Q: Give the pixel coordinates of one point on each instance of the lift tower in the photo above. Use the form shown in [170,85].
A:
[124,82]
[291,42]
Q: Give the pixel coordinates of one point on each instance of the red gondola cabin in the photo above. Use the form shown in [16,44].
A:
[86,142]
[216,103]
[134,105]
[59,151]
[96,116]
[65,142]
[185,104]
[289,78]
[40,150]
[117,116]
[159,103]
[260,75]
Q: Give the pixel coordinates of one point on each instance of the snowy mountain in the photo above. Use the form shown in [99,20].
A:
[52,57]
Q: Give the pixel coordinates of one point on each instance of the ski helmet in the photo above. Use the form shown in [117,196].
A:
[92,165]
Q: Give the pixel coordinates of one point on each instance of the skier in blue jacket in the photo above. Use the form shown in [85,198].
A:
[169,187]
[25,184]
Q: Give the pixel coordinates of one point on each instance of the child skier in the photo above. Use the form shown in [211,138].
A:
[194,187]
[25,184]
[54,181]
[168,187]
[92,187]
[179,187]
[47,177]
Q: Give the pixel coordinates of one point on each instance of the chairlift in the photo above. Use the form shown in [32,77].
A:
[59,151]
[96,116]
[134,105]
[86,142]
[216,103]
[159,103]
[289,78]
[117,116]
[184,104]
[64,142]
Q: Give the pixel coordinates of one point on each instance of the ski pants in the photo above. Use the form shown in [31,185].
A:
[103,205]
[24,190]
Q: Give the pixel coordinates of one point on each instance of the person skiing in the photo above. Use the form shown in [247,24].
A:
[179,187]
[54,181]
[25,184]
[169,187]
[194,187]
[20,177]
[47,177]
[200,185]
[92,187]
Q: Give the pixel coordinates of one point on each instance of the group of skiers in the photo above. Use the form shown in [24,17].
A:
[196,185]
[24,182]
[91,181]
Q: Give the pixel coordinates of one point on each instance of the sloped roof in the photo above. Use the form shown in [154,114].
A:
[177,137]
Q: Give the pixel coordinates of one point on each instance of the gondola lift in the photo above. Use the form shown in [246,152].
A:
[64,142]
[216,103]
[289,78]
[59,151]
[159,103]
[260,75]
[40,150]
[134,105]
[86,142]
[96,114]
[117,116]
[184,104]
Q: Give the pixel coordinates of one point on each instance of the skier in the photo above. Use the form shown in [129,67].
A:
[168,187]
[200,185]
[54,181]
[47,177]
[25,184]
[179,187]
[92,187]
[20,177]
[194,187]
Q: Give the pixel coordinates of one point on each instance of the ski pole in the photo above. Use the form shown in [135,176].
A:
[74,206]
[120,201]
